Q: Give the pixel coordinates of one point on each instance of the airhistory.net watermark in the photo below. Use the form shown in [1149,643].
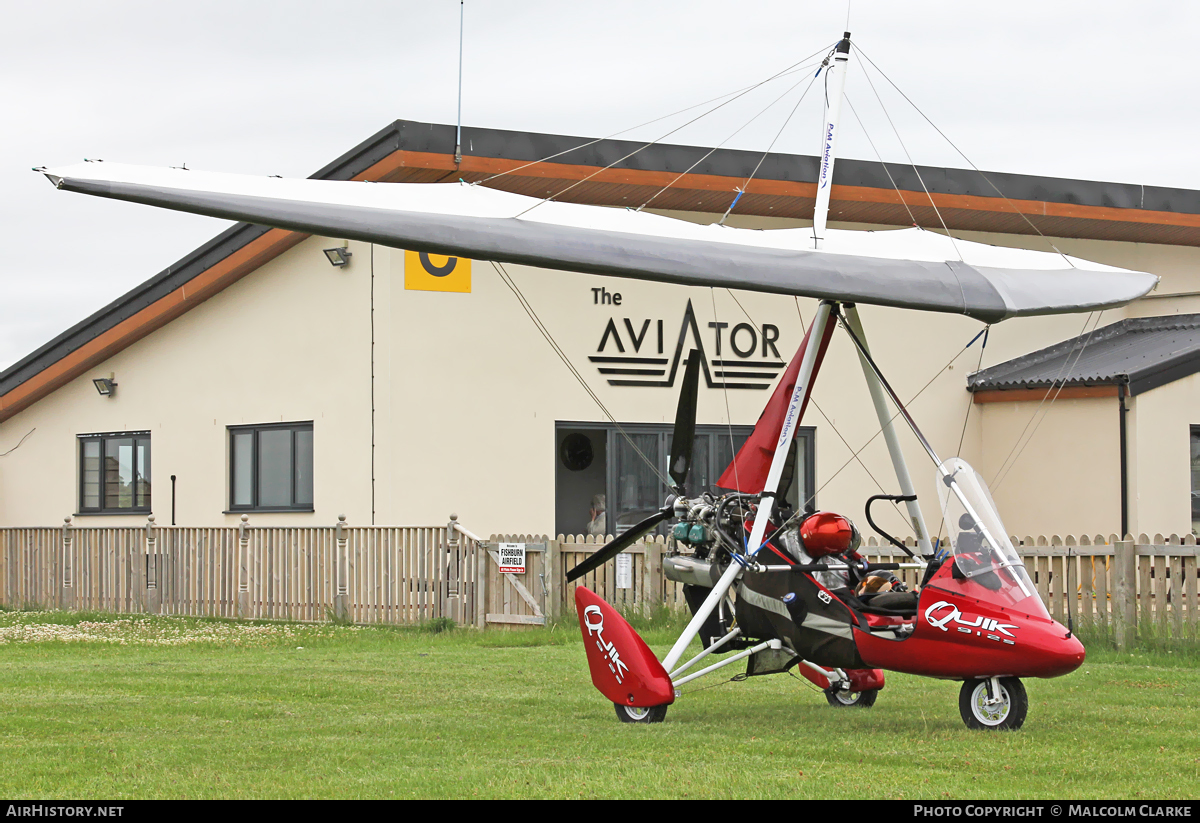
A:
[65,810]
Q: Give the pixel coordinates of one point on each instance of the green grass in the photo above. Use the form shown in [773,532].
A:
[176,708]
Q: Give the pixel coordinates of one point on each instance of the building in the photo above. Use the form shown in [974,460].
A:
[254,377]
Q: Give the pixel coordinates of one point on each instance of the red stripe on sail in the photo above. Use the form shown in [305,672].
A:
[750,467]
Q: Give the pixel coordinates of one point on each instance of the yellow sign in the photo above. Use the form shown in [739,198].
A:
[436,272]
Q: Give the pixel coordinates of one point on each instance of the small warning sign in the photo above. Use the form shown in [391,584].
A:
[624,570]
[436,272]
[512,558]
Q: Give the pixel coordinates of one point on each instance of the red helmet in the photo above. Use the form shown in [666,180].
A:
[826,533]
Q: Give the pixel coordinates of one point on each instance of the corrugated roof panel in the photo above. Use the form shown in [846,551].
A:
[1144,352]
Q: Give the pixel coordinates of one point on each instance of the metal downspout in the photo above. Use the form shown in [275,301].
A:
[1122,388]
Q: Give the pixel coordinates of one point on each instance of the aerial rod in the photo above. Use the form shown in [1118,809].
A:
[458,132]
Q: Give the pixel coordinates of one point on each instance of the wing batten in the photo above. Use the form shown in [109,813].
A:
[989,294]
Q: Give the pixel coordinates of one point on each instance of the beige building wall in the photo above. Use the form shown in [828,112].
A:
[279,345]
[466,392]
[1054,468]
[1160,486]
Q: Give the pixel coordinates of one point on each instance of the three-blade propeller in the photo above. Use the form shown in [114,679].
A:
[682,441]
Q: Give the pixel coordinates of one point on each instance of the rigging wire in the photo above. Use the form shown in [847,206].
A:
[746,185]
[896,131]
[813,400]
[879,431]
[725,391]
[664,136]
[964,157]
[878,157]
[785,73]
[545,332]
[1055,388]
[962,435]
[730,137]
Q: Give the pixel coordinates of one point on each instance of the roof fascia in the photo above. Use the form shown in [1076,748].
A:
[1044,392]
[1143,381]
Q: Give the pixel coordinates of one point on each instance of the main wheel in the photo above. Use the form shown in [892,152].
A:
[640,714]
[1006,713]
[845,700]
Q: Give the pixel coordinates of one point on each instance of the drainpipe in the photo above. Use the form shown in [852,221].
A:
[1122,388]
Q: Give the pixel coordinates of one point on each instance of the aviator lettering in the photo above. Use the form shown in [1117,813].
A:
[635,352]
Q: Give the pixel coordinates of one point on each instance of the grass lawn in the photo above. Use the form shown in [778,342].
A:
[106,707]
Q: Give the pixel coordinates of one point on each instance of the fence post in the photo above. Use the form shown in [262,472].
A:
[243,567]
[67,592]
[1125,592]
[481,587]
[153,595]
[453,601]
[652,580]
[341,605]
[554,593]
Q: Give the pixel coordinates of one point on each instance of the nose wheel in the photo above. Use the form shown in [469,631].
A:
[993,703]
[638,714]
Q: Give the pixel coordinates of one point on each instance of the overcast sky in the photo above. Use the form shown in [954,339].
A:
[1093,90]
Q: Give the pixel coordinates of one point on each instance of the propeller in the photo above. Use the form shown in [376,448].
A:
[682,441]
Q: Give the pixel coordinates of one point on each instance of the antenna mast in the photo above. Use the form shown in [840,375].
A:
[458,133]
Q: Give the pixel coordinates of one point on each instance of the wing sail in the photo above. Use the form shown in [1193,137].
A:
[907,268]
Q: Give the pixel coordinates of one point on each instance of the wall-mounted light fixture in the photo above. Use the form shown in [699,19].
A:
[339,256]
[105,385]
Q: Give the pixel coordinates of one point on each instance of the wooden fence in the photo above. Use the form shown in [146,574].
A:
[361,574]
[411,574]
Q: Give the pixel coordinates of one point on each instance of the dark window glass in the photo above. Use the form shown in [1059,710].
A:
[114,473]
[304,475]
[1195,455]
[242,454]
[271,467]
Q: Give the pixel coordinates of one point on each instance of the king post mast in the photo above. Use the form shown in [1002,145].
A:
[835,84]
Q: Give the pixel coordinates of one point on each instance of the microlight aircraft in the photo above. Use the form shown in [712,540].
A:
[776,588]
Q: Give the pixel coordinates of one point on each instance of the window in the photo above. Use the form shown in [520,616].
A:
[1195,448]
[271,467]
[632,489]
[114,473]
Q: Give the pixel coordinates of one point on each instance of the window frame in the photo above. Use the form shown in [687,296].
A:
[805,434]
[1193,435]
[141,440]
[255,430]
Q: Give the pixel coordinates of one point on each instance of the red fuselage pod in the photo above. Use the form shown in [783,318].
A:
[622,665]
[960,636]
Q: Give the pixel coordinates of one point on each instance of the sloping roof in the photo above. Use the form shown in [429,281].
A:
[1143,352]
[784,186]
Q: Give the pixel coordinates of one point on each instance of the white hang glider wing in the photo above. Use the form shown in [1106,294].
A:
[907,268]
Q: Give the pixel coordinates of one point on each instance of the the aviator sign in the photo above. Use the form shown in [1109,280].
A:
[633,351]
